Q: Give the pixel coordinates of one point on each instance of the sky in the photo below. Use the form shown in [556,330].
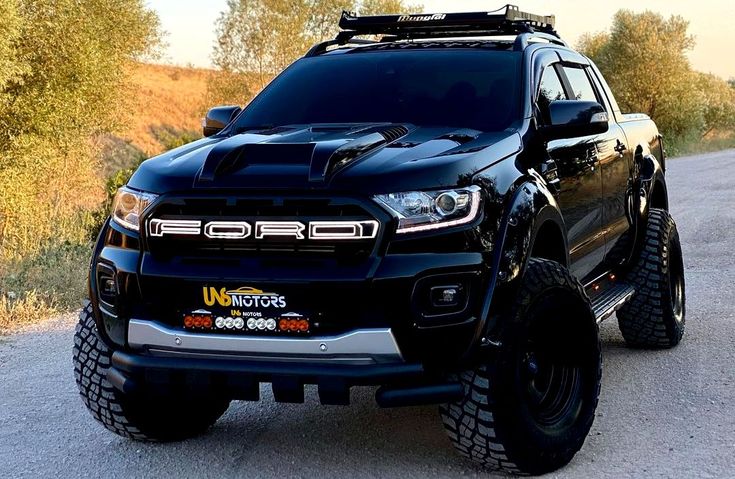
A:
[189,24]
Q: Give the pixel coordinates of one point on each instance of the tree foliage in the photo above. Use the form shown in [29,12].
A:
[256,39]
[644,59]
[63,69]
[718,102]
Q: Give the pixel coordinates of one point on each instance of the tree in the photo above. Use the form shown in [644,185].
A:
[718,100]
[63,71]
[644,59]
[256,39]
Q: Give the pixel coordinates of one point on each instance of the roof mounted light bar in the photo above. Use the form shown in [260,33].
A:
[444,25]
[512,21]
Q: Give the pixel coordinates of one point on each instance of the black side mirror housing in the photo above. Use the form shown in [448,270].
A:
[575,118]
[218,118]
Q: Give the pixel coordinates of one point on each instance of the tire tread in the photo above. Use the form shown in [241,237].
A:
[471,422]
[114,410]
[647,320]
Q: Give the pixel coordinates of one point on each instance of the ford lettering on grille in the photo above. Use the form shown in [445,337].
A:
[261,230]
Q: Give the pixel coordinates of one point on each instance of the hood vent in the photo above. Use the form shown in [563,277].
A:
[390,133]
[393,133]
[369,140]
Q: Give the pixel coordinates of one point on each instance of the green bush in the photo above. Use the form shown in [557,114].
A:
[63,77]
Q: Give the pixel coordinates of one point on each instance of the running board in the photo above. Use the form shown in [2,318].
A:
[611,300]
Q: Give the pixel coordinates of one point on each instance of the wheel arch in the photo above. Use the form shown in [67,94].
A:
[532,224]
[651,184]
[659,195]
[549,243]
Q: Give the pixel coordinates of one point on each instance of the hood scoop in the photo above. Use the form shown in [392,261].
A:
[325,163]
[327,152]
[220,163]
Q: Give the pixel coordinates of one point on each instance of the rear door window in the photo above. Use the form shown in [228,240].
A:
[581,87]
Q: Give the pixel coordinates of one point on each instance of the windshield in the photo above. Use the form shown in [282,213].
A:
[462,88]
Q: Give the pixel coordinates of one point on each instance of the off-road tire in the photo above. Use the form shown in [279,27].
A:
[493,424]
[142,418]
[655,315]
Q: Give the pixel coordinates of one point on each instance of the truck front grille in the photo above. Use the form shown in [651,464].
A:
[178,226]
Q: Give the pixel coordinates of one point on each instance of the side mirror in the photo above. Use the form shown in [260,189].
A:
[218,118]
[575,118]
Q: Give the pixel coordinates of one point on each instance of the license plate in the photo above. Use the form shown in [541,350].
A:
[245,310]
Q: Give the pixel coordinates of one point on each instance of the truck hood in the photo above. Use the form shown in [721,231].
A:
[371,158]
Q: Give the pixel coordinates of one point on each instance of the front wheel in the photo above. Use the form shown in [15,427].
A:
[143,418]
[529,407]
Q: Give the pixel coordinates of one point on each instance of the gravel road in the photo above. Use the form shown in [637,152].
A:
[661,414]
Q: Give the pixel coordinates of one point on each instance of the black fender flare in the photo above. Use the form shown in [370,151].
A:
[92,287]
[531,206]
[650,176]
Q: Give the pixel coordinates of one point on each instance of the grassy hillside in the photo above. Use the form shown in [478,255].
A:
[164,98]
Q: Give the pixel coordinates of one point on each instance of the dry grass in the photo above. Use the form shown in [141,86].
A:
[51,281]
[164,96]
[16,313]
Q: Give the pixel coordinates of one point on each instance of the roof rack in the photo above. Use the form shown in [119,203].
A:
[444,25]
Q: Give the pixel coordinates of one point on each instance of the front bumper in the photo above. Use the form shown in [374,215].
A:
[401,384]
[166,361]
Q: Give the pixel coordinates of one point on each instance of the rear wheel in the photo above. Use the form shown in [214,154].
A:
[528,409]
[139,417]
[655,315]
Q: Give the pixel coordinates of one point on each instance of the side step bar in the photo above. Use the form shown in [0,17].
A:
[611,300]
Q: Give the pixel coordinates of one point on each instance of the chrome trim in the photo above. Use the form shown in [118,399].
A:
[359,346]
[238,230]
[609,303]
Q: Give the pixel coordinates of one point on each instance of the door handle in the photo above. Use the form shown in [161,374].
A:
[551,175]
[620,147]
[592,159]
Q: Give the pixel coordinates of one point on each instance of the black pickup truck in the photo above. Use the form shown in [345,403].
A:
[435,210]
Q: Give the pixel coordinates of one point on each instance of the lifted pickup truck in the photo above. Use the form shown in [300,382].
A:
[443,213]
